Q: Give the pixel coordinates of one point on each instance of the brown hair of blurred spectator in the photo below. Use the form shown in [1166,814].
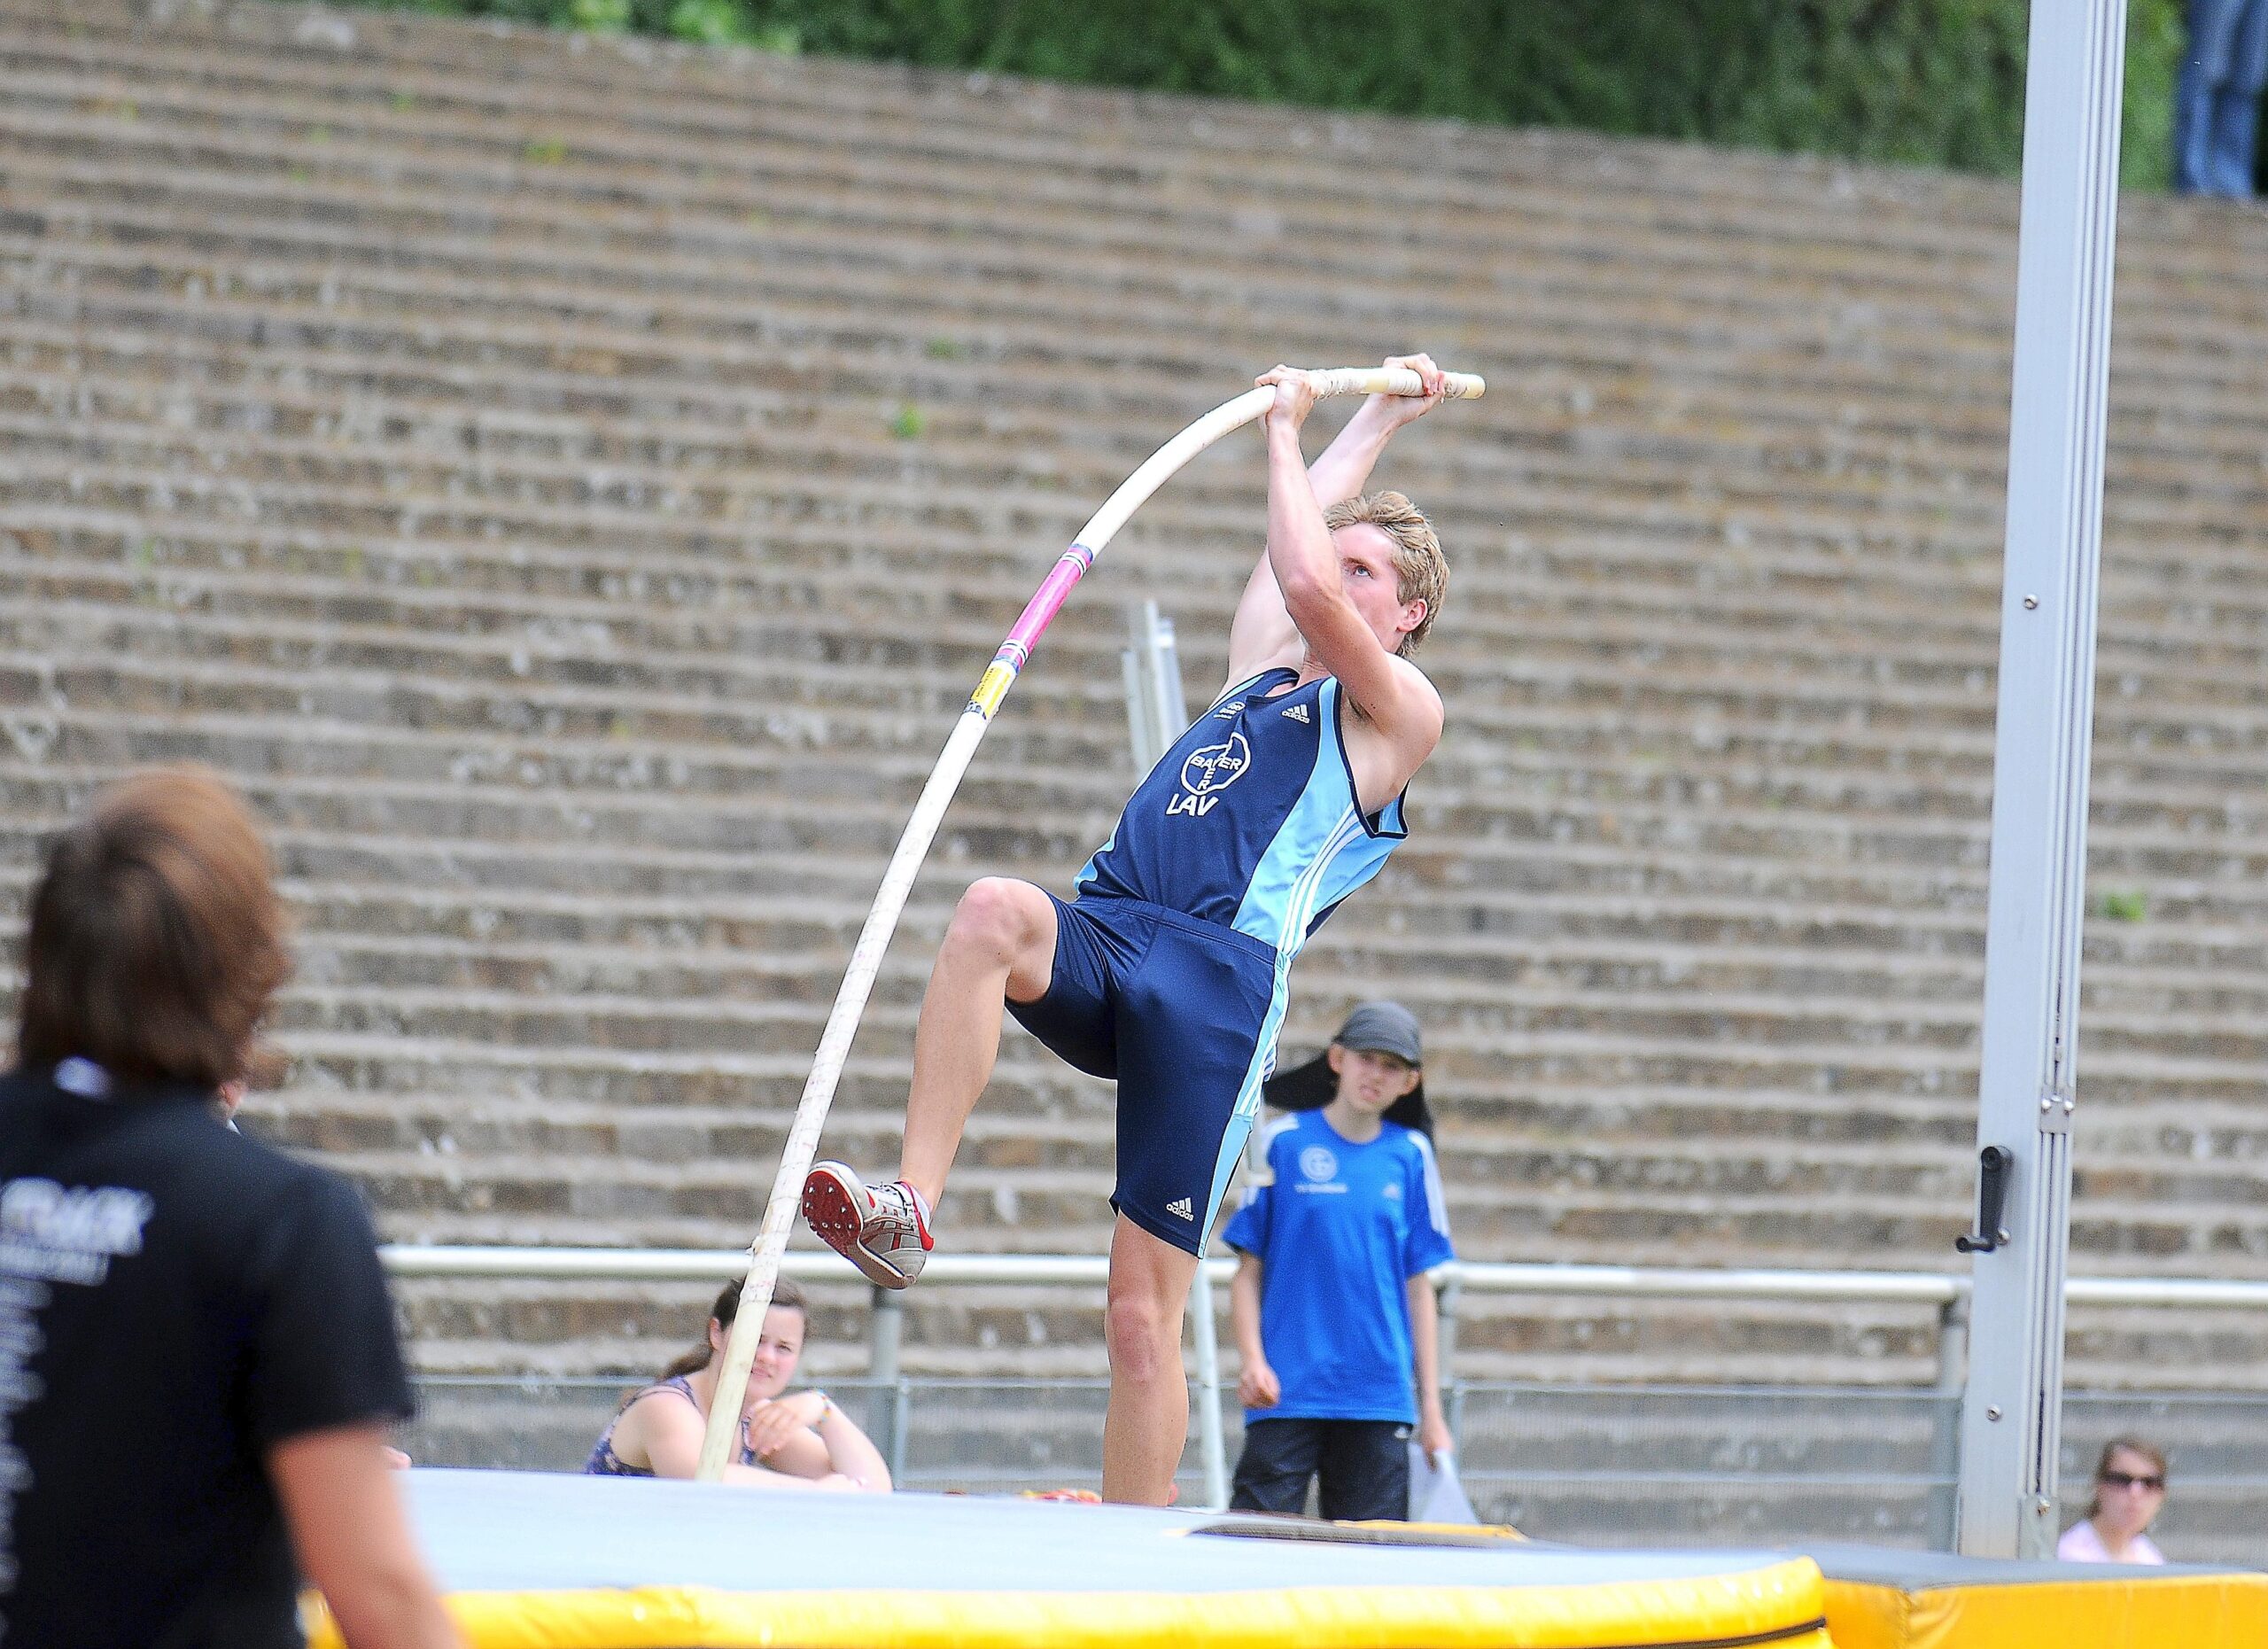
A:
[156,935]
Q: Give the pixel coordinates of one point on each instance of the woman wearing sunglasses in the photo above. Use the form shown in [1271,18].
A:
[2129,1491]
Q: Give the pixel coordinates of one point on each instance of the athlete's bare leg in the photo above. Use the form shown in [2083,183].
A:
[1149,1421]
[1001,945]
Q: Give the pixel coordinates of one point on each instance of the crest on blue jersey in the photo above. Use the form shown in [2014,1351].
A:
[1215,767]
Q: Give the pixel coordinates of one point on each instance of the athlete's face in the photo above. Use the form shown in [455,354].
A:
[1366,571]
[1368,1081]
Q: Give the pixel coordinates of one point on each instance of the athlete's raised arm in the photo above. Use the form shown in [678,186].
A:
[1348,462]
[1262,636]
[1343,596]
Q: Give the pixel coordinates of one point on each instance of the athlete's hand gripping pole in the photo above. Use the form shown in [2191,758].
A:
[929,813]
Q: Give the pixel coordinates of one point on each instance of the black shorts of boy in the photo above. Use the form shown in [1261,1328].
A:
[1364,1466]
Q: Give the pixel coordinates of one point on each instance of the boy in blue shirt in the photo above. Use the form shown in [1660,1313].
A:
[1333,1315]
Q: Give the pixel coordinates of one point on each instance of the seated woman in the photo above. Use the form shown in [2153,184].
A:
[801,1441]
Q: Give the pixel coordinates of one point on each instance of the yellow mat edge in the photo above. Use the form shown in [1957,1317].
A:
[1783,1603]
[2123,1611]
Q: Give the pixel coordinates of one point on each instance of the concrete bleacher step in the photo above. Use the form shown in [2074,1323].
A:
[573,483]
[1681,1466]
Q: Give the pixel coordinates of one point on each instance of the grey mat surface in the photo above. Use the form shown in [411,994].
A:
[511,1531]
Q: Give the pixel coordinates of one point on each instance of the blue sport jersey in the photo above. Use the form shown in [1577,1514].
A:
[1173,964]
[1250,820]
[1339,1230]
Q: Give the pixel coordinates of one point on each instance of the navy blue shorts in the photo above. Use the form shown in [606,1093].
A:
[1183,1014]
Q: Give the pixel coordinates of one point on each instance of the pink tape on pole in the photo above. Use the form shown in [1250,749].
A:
[1048,600]
[1038,613]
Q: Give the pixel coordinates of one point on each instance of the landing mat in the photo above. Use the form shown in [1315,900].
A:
[534,1562]
[1878,1600]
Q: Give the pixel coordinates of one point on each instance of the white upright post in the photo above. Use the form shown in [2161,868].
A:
[2012,1418]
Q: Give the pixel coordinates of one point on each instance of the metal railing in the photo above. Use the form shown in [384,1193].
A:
[1594,1464]
[1949,1293]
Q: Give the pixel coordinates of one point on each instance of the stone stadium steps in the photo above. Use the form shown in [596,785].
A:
[547,706]
[930,136]
[407,345]
[1561,1465]
[934,164]
[207,157]
[328,287]
[2146,478]
[182,573]
[550,1329]
[930,139]
[511,503]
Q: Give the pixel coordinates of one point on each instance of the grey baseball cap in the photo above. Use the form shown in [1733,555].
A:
[1382,1028]
[1379,1027]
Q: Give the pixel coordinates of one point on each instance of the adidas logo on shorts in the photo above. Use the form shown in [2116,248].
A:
[1297,712]
[1180,1210]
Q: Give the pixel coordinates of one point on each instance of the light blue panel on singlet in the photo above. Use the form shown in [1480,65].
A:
[1323,850]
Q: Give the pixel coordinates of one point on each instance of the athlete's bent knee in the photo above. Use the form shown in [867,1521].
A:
[994,918]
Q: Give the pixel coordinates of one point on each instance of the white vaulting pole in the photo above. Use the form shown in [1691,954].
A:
[2012,1412]
[717,1444]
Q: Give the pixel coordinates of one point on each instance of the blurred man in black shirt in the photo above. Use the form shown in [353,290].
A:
[198,1359]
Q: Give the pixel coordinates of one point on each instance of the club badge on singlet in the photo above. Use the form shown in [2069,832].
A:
[1250,820]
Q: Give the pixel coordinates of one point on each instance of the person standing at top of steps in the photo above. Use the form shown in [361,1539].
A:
[1168,970]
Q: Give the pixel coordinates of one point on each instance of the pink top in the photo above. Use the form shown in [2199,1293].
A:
[2081,1544]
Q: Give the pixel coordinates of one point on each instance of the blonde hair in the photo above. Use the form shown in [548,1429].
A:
[1421,572]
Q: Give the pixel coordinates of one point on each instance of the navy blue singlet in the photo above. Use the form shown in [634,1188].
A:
[1173,967]
[1250,821]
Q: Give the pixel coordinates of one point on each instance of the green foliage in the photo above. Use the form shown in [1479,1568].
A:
[712,22]
[1927,82]
[909,423]
[2125,905]
[2155,38]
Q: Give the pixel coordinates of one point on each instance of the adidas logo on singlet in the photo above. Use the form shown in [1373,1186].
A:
[1179,1209]
[1297,712]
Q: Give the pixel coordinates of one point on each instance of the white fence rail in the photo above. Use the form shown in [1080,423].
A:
[1948,1292]
[1600,1281]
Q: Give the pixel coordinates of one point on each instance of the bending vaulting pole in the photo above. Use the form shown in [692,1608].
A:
[717,1444]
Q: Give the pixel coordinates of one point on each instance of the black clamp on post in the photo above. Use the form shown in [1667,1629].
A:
[1992,1164]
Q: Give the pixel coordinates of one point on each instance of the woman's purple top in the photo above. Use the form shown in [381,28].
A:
[604,1462]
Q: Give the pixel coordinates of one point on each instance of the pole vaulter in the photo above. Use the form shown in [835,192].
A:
[718,1443]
